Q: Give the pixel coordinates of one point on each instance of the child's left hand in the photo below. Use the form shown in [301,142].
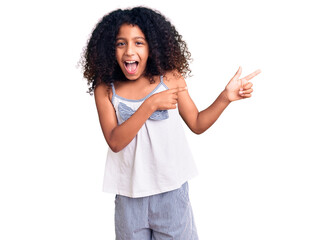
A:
[237,88]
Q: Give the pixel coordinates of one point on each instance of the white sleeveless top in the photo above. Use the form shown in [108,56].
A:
[157,160]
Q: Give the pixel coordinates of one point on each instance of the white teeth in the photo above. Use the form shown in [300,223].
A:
[130,61]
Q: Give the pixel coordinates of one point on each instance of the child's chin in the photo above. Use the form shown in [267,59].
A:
[132,77]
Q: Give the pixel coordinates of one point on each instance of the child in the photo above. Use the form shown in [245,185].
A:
[135,63]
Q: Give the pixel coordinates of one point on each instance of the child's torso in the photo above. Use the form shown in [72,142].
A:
[158,159]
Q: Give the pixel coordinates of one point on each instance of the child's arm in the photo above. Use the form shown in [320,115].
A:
[119,136]
[198,122]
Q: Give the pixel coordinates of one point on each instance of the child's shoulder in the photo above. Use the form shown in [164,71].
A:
[103,90]
[173,79]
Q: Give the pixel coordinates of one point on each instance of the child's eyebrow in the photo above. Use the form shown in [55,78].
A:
[135,38]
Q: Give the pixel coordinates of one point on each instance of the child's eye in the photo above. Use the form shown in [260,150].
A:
[139,43]
[120,44]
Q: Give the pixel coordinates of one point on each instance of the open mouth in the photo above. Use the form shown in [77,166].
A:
[131,66]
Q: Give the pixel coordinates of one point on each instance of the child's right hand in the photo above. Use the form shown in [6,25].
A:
[166,99]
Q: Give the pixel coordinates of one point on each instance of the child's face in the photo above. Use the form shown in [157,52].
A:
[131,51]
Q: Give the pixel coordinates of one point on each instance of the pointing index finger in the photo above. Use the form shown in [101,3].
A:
[252,75]
[179,89]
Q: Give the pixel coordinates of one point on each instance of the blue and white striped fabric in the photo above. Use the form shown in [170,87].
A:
[126,112]
[158,217]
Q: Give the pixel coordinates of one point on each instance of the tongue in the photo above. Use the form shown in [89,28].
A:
[131,67]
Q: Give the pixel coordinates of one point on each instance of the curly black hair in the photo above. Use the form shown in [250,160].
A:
[167,50]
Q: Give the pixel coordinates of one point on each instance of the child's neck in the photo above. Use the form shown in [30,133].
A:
[136,89]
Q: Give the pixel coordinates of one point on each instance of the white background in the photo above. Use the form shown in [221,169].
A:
[267,166]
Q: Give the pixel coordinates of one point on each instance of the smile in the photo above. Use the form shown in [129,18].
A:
[131,66]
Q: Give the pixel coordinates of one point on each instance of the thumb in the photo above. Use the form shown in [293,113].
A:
[238,73]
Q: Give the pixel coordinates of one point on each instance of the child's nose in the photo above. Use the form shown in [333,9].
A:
[130,50]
